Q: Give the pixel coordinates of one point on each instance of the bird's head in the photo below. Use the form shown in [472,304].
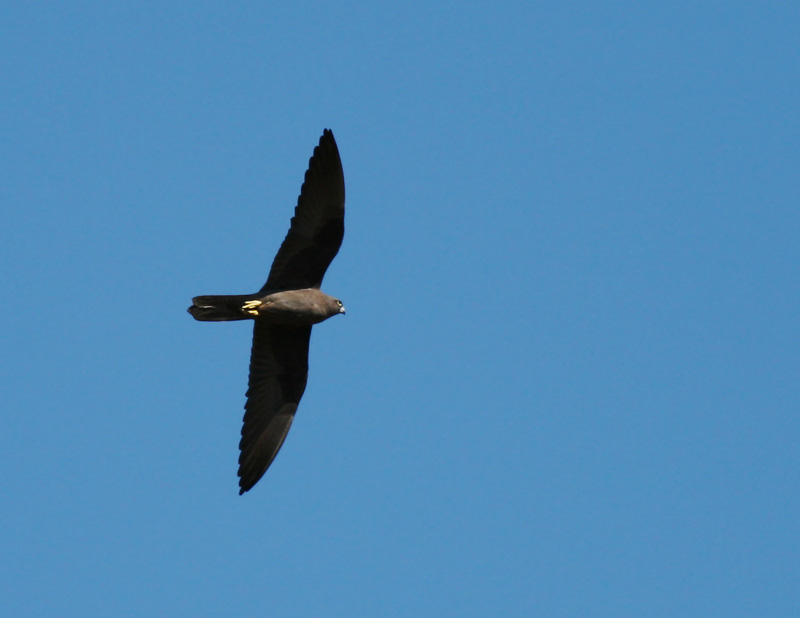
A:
[340,306]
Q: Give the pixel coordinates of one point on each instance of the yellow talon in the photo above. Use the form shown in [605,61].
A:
[250,305]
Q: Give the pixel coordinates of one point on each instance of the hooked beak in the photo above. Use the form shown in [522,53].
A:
[341,310]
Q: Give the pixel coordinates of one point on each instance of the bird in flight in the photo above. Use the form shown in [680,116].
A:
[284,310]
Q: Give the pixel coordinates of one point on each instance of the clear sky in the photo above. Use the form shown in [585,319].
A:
[567,383]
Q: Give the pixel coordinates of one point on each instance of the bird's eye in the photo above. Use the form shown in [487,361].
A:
[338,302]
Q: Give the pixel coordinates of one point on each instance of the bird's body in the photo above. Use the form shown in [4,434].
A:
[284,310]
[307,306]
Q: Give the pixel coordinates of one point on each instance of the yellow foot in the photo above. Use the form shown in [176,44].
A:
[250,305]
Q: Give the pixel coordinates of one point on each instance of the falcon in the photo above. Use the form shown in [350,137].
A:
[284,310]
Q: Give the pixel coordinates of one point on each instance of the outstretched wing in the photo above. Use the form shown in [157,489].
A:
[317,227]
[278,374]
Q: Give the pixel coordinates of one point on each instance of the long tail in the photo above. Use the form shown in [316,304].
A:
[218,308]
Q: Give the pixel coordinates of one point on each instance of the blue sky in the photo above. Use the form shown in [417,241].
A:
[567,381]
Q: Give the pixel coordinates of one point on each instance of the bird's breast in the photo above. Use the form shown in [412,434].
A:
[309,306]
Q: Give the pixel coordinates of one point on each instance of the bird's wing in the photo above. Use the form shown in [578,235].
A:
[278,374]
[317,227]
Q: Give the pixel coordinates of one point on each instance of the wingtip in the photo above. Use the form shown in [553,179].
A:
[244,487]
[327,134]
[245,484]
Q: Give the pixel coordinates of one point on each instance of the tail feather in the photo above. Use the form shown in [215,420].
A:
[218,308]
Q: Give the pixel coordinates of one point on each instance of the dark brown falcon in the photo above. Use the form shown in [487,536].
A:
[284,310]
